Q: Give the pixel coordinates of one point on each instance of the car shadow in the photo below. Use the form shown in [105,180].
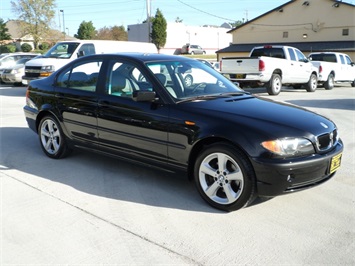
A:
[100,175]
[11,91]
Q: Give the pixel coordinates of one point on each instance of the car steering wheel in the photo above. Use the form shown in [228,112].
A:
[198,86]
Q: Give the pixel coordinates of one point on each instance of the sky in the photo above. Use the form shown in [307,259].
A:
[109,13]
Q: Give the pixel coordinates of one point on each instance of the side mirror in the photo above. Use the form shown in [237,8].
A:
[143,96]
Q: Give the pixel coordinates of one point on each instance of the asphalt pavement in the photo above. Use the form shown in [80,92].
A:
[93,210]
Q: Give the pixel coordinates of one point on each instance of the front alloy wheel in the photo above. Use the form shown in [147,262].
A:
[51,138]
[224,178]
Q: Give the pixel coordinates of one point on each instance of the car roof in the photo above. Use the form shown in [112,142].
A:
[145,57]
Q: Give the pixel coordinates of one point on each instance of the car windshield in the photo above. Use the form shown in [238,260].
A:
[191,79]
[62,50]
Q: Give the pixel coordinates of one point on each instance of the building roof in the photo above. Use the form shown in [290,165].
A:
[303,46]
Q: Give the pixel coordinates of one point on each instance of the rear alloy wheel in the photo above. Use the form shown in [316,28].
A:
[329,84]
[224,177]
[51,138]
[188,80]
[274,86]
[311,85]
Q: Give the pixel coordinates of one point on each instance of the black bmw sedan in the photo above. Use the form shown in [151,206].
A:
[136,107]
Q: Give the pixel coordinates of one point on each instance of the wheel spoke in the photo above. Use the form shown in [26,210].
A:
[222,162]
[207,169]
[211,191]
[231,195]
[235,176]
[48,145]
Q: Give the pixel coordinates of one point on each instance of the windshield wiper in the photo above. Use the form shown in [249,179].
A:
[214,96]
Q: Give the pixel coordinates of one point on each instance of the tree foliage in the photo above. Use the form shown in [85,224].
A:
[4,32]
[117,33]
[159,27]
[37,16]
[86,31]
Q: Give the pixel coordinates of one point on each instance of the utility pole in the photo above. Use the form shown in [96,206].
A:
[148,17]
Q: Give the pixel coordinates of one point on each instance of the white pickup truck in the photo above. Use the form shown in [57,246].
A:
[333,68]
[272,66]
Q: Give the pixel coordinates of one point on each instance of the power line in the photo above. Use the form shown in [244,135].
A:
[233,20]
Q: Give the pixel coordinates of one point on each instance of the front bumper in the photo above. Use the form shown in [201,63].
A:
[284,176]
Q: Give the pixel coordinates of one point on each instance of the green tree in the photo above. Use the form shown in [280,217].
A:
[117,33]
[159,26]
[86,31]
[4,32]
[37,16]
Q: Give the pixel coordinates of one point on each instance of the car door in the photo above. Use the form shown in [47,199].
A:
[349,69]
[77,99]
[128,128]
[304,69]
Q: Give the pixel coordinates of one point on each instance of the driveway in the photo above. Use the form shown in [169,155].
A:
[90,209]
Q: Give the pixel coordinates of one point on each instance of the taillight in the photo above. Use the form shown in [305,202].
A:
[320,68]
[261,65]
[220,65]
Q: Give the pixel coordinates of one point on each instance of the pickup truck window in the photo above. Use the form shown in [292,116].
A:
[292,54]
[270,52]
[348,60]
[301,57]
[324,57]
[342,59]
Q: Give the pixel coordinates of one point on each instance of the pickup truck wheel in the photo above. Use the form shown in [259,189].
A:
[311,85]
[224,177]
[329,84]
[274,86]
[353,83]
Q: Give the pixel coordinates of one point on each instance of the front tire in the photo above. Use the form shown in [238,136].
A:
[311,85]
[224,177]
[52,139]
[274,86]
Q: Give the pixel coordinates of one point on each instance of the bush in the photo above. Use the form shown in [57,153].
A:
[9,48]
[44,46]
[26,47]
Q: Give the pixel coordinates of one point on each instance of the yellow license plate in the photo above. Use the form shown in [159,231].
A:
[335,163]
[240,76]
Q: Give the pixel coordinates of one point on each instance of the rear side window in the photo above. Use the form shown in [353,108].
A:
[82,76]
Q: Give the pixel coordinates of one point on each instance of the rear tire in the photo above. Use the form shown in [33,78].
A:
[274,86]
[329,84]
[311,85]
[353,83]
[52,139]
[224,177]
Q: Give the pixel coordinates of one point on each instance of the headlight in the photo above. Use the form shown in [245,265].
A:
[47,68]
[15,71]
[289,146]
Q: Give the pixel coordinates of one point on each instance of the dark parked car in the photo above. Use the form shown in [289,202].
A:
[235,146]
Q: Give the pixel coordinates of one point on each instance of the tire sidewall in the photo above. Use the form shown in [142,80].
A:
[63,150]
[272,87]
[248,193]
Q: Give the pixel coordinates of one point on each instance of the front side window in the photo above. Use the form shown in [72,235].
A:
[62,50]
[124,78]
[301,57]
[82,76]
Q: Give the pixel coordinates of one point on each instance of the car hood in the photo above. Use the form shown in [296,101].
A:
[39,62]
[264,115]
